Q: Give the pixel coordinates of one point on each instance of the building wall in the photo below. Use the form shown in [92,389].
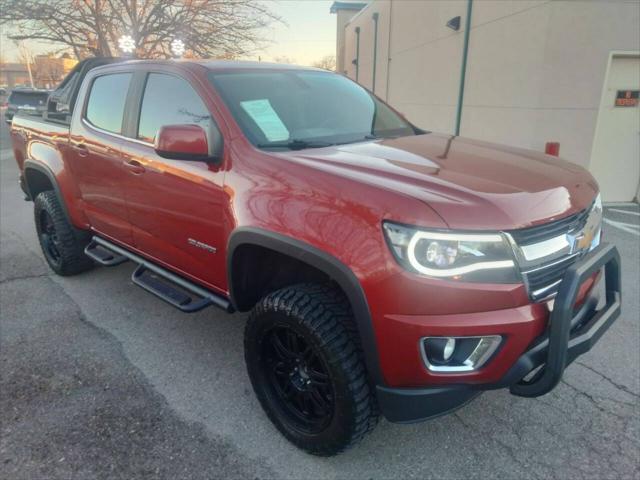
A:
[534,74]
[364,21]
[425,62]
[12,74]
[48,71]
[343,17]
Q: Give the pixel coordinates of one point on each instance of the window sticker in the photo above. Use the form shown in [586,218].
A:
[266,118]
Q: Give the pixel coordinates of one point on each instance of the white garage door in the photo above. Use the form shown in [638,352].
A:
[615,158]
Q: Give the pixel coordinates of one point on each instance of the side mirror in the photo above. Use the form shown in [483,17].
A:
[183,142]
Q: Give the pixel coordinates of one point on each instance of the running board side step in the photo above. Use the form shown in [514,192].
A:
[102,255]
[180,296]
[177,291]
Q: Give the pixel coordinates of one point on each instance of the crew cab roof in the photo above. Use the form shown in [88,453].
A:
[219,65]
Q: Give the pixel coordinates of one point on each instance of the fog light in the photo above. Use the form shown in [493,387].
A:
[449,347]
[440,349]
[458,354]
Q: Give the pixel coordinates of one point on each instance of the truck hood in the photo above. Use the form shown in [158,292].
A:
[470,184]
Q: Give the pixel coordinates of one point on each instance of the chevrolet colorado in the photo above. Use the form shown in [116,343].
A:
[388,270]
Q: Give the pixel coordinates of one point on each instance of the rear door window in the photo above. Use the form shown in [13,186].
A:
[170,100]
[107,99]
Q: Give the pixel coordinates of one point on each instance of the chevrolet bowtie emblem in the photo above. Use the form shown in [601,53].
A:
[584,240]
[580,241]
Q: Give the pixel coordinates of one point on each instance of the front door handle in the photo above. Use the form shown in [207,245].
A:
[134,166]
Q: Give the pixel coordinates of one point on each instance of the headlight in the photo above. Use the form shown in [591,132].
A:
[481,257]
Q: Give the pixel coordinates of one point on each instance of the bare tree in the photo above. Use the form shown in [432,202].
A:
[25,56]
[328,62]
[48,70]
[208,28]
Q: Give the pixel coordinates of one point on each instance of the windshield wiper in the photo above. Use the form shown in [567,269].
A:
[296,144]
[361,139]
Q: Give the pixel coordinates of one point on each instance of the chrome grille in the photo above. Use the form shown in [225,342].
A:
[539,233]
[545,252]
[544,281]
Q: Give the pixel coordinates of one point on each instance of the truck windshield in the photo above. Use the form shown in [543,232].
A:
[295,109]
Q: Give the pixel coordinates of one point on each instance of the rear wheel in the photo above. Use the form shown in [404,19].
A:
[307,370]
[61,243]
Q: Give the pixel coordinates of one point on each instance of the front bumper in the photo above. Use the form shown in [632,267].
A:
[571,332]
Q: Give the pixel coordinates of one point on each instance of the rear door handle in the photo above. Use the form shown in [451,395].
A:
[81,148]
[134,166]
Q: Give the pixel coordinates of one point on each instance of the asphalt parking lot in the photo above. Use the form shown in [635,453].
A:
[98,379]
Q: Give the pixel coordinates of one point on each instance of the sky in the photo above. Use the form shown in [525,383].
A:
[309,33]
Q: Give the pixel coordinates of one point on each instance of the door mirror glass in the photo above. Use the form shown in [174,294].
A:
[183,142]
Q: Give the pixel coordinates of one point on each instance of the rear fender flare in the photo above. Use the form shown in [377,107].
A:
[34,166]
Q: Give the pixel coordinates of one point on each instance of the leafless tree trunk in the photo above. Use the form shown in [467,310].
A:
[26,56]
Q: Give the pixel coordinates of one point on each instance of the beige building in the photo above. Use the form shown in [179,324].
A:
[537,71]
[12,74]
[49,70]
[46,71]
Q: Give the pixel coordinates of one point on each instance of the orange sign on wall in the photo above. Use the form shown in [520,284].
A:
[627,98]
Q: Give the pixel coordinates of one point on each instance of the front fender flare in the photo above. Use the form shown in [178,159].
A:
[324,262]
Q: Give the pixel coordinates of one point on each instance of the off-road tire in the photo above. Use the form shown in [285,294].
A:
[321,316]
[69,241]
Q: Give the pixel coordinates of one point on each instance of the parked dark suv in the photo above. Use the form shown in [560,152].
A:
[28,100]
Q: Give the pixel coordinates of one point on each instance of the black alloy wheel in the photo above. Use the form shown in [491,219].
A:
[299,377]
[307,369]
[49,238]
[62,244]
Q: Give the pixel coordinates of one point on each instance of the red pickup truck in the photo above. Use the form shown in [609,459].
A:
[388,270]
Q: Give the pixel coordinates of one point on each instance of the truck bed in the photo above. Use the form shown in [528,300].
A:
[37,121]
[27,128]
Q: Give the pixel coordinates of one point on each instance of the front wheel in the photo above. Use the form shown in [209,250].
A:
[61,243]
[307,369]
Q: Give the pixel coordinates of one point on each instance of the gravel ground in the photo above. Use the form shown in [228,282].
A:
[98,379]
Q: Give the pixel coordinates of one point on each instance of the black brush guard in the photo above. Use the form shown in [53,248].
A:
[571,332]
